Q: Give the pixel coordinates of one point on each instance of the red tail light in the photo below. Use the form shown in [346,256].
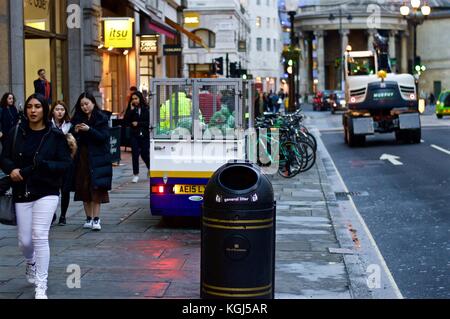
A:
[158,189]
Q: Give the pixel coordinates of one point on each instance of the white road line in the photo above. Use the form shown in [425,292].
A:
[366,229]
[440,149]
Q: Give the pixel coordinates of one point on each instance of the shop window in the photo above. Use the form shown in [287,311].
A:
[146,71]
[45,44]
[208,37]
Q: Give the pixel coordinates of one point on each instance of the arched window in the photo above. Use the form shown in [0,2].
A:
[208,37]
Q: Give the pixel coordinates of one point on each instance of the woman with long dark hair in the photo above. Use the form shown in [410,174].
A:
[93,167]
[60,118]
[9,115]
[35,163]
[137,117]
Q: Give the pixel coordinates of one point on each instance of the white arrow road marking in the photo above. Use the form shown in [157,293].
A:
[440,149]
[391,158]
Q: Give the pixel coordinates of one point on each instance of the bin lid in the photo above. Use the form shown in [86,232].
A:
[239,184]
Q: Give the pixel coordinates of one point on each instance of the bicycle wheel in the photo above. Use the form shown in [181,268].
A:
[307,151]
[290,162]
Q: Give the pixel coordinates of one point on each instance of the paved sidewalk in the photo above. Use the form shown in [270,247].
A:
[134,255]
[138,256]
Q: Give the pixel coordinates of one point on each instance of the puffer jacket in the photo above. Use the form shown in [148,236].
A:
[98,143]
[51,161]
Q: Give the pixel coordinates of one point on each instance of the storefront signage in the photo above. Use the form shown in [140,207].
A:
[149,45]
[172,49]
[36,14]
[39,4]
[191,20]
[119,32]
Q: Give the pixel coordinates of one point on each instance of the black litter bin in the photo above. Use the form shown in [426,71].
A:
[238,234]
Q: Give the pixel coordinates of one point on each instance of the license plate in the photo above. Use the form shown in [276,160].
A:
[189,189]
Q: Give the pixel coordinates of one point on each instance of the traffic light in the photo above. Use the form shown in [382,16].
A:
[417,63]
[234,70]
[218,65]
[243,74]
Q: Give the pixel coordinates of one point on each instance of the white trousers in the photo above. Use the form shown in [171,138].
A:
[33,224]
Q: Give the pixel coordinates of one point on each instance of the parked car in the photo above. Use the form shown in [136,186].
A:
[339,103]
[443,105]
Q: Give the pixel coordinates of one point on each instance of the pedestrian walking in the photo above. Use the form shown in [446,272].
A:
[9,115]
[432,98]
[93,167]
[36,163]
[137,117]
[276,103]
[60,118]
[43,87]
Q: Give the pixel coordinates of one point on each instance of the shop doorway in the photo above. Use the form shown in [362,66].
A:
[114,85]
[37,56]
[45,34]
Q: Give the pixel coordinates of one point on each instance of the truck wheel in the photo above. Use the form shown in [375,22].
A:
[345,135]
[439,116]
[400,136]
[355,140]
[415,136]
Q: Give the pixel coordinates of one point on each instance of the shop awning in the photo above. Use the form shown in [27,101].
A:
[151,23]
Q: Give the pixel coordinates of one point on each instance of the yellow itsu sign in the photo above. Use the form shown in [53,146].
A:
[119,32]
[191,20]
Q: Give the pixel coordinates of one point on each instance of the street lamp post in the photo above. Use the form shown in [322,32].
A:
[416,19]
[291,8]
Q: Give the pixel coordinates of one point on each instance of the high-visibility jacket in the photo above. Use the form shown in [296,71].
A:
[181,109]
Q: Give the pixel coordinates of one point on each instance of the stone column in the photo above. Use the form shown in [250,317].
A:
[344,43]
[308,61]
[17,61]
[392,53]
[93,64]
[320,59]
[404,61]
[303,64]
[371,33]
[75,60]
[4,46]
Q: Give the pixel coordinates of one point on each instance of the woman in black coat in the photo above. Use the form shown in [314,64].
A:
[35,157]
[137,117]
[93,167]
[9,115]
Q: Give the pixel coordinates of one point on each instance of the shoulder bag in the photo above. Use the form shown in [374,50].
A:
[7,206]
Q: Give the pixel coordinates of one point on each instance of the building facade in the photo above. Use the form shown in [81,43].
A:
[265,44]
[434,49]
[87,45]
[326,28]
[223,27]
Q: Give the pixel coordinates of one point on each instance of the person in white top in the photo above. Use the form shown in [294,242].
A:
[60,118]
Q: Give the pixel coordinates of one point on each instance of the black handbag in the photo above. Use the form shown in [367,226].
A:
[7,209]
[7,205]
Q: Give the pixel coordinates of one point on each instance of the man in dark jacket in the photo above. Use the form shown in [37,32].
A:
[43,87]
